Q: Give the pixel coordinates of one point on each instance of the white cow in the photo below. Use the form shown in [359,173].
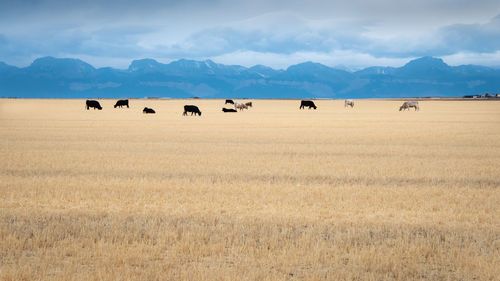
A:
[240,106]
[349,103]
[407,104]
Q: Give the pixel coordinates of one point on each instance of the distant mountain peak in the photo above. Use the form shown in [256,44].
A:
[188,64]
[51,67]
[263,71]
[428,62]
[425,67]
[58,61]
[308,66]
[260,66]
[144,65]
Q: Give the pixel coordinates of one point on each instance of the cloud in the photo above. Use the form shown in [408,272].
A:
[491,59]
[376,32]
[480,38]
[280,33]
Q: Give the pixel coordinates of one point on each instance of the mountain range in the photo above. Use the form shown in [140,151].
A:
[50,77]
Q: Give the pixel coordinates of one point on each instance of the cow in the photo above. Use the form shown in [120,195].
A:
[248,104]
[349,103]
[191,108]
[93,103]
[121,103]
[148,110]
[229,110]
[229,101]
[308,103]
[407,104]
[240,106]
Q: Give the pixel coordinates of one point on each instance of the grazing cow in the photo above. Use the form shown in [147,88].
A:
[148,110]
[407,104]
[191,108]
[121,103]
[93,103]
[249,104]
[308,103]
[229,110]
[349,103]
[229,101]
[240,106]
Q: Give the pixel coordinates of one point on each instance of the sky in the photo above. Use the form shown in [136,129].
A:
[353,34]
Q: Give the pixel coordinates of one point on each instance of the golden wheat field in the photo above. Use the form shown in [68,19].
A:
[271,193]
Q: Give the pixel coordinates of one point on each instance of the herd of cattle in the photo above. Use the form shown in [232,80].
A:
[193,109]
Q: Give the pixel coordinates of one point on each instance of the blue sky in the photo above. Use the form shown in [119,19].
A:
[355,34]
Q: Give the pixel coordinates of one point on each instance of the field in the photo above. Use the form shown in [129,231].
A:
[272,193]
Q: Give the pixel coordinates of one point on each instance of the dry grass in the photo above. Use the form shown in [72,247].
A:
[273,193]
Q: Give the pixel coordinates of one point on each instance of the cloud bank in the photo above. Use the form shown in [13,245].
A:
[275,33]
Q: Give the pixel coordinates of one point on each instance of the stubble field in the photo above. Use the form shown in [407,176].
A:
[272,193]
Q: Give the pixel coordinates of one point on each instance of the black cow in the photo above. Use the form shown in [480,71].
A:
[229,110]
[191,108]
[121,103]
[229,101]
[93,103]
[308,103]
[148,110]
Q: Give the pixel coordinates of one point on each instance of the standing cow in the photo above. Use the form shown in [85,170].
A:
[121,103]
[240,106]
[308,103]
[191,108]
[349,103]
[229,101]
[93,103]
[407,104]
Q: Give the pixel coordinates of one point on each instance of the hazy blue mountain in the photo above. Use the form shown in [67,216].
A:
[146,66]
[263,71]
[52,68]
[50,77]
[426,67]
[5,68]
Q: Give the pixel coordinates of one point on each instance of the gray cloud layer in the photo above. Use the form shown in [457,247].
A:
[115,32]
